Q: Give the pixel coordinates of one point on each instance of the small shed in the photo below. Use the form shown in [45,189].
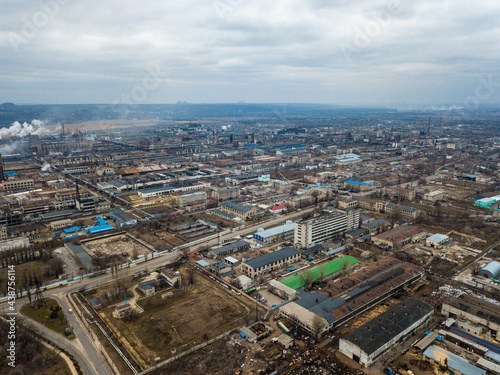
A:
[96,304]
[147,288]
[121,310]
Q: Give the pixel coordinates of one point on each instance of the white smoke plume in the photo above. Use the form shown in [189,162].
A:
[9,148]
[45,167]
[21,130]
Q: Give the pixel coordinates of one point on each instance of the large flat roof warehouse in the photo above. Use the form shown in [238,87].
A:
[371,336]
[296,281]
[340,300]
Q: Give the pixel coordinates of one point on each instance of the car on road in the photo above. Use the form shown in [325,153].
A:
[70,311]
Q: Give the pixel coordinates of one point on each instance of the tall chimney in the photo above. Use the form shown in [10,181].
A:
[2,176]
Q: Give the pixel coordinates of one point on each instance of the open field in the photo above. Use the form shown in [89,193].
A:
[42,315]
[195,313]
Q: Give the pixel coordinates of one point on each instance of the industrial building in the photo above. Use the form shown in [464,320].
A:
[408,213]
[243,211]
[190,199]
[488,202]
[438,241]
[375,338]
[14,185]
[229,248]
[155,192]
[270,261]
[357,186]
[122,219]
[310,232]
[281,290]
[459,365]
[490,270]
[399,236]
[474,310]
[279,233]
[354,294]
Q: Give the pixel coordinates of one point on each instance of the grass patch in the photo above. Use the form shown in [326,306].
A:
[296,281]
[56,322]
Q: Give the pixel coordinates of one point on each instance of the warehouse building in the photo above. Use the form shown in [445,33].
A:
[352,295]
[190,199]
[243,211]
[357,186]
[375,338]
[122,219]
[281,290]
[279,233]
[399,236]
[490,270]
[474,310]
[457,364]
[270,261]
[408,213]
[229,248]
[438,241]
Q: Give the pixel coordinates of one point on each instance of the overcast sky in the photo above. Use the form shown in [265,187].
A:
[356,52]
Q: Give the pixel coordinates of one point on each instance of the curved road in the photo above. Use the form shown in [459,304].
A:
[83,348]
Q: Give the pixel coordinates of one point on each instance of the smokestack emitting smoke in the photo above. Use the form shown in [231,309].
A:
[45,167]
[21,130]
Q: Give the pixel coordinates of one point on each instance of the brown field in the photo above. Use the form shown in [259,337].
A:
[117,245]
[193,315]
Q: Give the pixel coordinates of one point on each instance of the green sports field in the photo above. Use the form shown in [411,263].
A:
[296,282]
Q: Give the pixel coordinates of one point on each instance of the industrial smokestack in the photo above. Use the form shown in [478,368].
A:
[2,176]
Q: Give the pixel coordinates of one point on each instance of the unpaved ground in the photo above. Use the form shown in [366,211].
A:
[117,245]
[193,315]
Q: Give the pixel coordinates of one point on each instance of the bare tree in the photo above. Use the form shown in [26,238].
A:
[318,325]
[307,278]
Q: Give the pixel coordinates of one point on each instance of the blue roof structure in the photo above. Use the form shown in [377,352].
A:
[358,183]
[71,230]
[101,220]
[454,361]
[100,228]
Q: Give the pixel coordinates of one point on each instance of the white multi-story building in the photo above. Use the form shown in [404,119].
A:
[310,232]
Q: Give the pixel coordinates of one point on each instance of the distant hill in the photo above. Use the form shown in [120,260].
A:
[7,105]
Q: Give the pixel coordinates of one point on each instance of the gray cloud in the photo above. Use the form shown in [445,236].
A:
[249,50]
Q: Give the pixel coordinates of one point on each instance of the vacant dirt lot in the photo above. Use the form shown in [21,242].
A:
[117,245]
[195,313]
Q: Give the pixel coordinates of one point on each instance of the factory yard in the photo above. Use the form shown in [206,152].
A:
[121,244]
[174,322]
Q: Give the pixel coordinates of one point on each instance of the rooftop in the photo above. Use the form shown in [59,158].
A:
[275,256]
[454,361]
[398,318]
